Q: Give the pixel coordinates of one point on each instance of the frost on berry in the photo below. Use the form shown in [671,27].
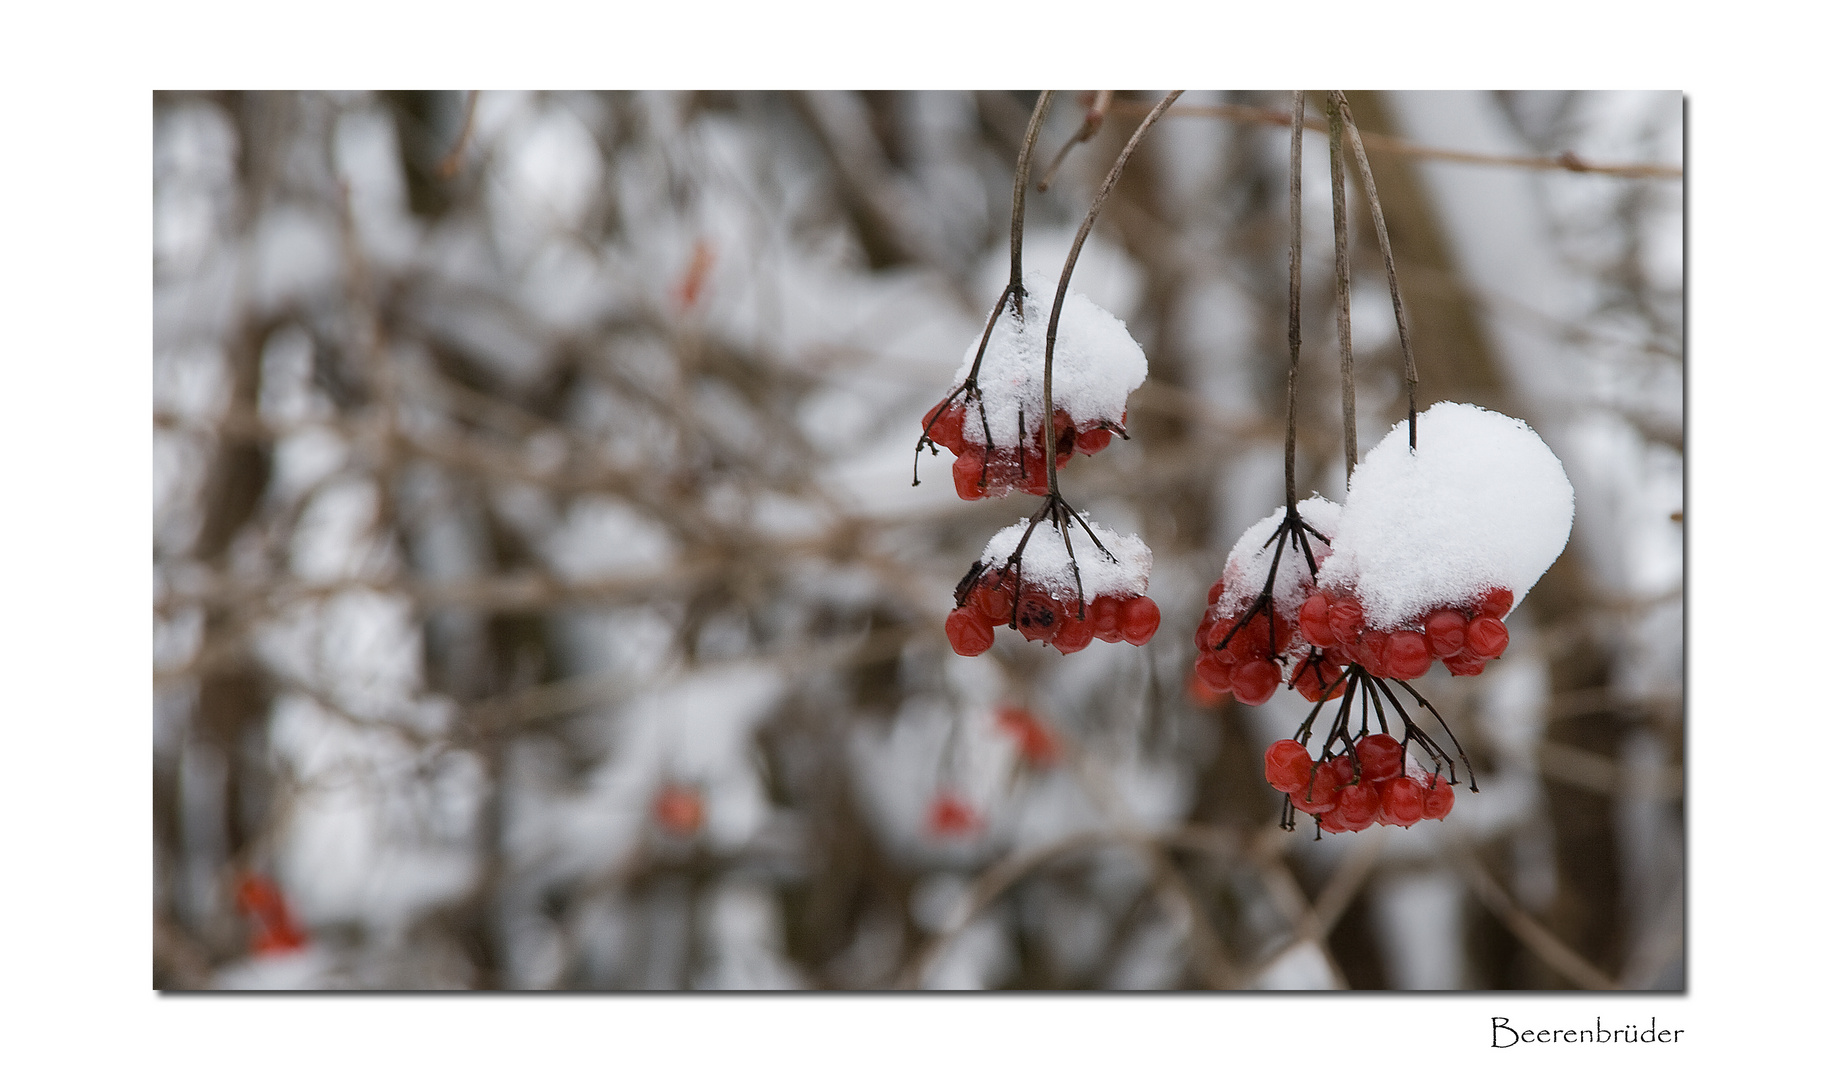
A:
[1481,504]
[1028,580]
[994,420]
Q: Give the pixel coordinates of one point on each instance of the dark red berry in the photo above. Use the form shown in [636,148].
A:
[969,635]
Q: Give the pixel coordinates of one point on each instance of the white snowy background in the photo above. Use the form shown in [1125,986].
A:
[472,531]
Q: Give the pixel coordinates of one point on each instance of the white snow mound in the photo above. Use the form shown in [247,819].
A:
[1045,565]
[1481,503]
[1247,568]
[1095,365]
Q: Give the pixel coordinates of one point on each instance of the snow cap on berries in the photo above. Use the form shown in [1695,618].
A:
[1482,503]
[1045,565]
[1247,568]
[1095,364]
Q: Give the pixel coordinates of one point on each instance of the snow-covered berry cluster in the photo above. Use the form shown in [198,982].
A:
[1435,545]
[1065,588]
[1055,577]
[994,421]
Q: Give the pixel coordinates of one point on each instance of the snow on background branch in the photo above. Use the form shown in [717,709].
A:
[542,600]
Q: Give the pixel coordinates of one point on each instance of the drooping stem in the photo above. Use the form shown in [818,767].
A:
[1341,264]
[1294,283]
[1383,244]
[1022,173]
[1015,291]
[1064,277]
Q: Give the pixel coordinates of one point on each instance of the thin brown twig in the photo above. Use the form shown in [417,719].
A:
[1297,120]
[1383,244]
[1064,277]
[1341,263]
[1568,161]
[1093,123]
[1534,935]
[449,165]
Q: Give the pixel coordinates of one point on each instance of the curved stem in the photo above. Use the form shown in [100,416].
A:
[1383,244]
[1022,173]
[1064,277]
[1294,282]
[1341,263]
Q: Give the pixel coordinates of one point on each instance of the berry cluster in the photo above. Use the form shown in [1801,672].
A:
[984,472]
[1333,621]
[1379,787]
[1238,656]
[999,597]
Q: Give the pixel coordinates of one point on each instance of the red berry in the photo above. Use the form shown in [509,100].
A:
[1446,631]
[1287,765]
[1402,801]
[1038,617]
[1380,757]
[1089,442]
[1495,603]
[1039,745]
[1358,804]
[1255,681]
[1346,619]
[678,809]
[1214,669]
[1318,795]
[1486,638]
[1104,613]
[968,634]
[1074,633]
[951,816]
[1437,800]
[1407,655]
[1315,625]
[1217,590]
[1464,663]
[993,599]
[1369,652]
[946,427]
[967,473]
[1312,678]
[1138,619]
